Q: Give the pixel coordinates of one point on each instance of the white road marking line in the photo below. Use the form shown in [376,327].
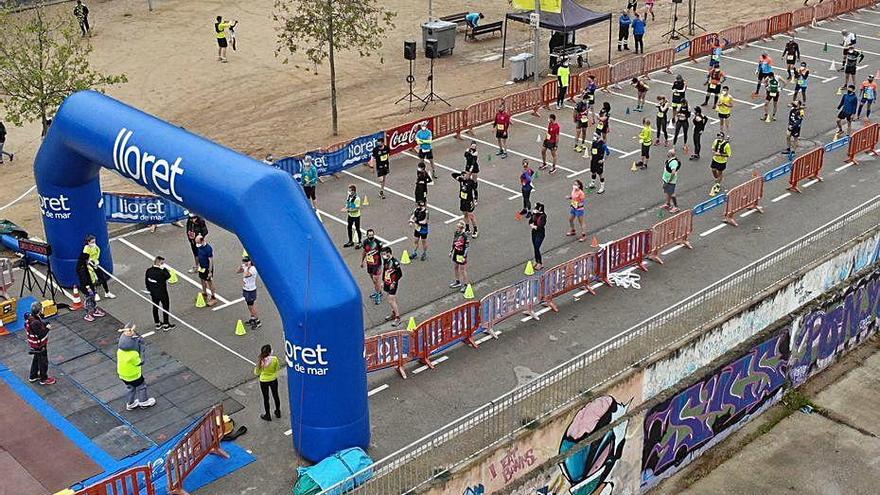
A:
[866,52]
[536,160]
[671,250]
[581,293]
[780,197]
[810,183]
[844,166]
[712,120]
[562,134]
[771,49]
[16,200]
[755,63]
[179,273]
[343,222]
[288,433]
[435,361]
[538,313]
[483,339]
[130,234]
[625,122]
[860,35]
[377,390]
[480,179]
[747,213]
[148,334]
[230,303]
[744,102]
[713,229]
[453,217]
[847,19]
[63,291]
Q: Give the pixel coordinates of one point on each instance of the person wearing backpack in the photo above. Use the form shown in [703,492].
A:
[220,28]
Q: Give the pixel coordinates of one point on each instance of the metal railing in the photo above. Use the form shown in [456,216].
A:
[433,456]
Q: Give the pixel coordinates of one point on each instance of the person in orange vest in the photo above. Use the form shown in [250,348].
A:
[38,340]
[868,93]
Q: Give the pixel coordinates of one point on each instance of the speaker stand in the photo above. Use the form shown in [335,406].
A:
[410,96]
[432,96]
[674,33]
[692,18]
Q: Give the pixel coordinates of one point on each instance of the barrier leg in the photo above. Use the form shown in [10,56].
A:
[730,220]
[552,305]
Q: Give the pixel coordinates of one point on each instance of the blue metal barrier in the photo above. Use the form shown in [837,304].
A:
[778,171]
[710,203]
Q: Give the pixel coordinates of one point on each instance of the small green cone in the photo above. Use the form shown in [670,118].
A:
[825,48]
[627,110]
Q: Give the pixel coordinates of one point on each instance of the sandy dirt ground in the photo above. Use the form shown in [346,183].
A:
[256,104]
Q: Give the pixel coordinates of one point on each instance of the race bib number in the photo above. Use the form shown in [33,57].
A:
[462,195]
[370,259]
[500,127]
[594,151]
[600,126]
[384,158]
[548,136]
[388,277]
[459,258]
[713,86]
[584,118]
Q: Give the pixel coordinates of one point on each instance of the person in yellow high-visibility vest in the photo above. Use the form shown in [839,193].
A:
[220,28]
[563,77]
[129,363]
[720,155]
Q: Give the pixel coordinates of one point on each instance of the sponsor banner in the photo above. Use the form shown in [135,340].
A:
[554,6]
[403,137]
[140,208]
[355,152]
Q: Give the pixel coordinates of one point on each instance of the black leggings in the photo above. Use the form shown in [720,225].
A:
[356,222]
[681,125]
[697,144]
[264,388]
[560,97]
[160,299]
[527,203]
[40,365]
[102,279]
[706,101]
[661,127]
[84,25]
[537,240]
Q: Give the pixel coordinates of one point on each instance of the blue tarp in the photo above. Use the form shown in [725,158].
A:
[332,470]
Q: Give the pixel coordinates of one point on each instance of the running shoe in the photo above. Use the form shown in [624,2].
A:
[158,326]
[257,323]
[571,233]
[396,323]
[592,185]
[99,313]
[33,379]
[423,258]
[357,246]
[348,244]
[552,170]
[415,254]
[476,233]
[454,285]
[381,195]
[110,295]
[499,153]
[504,155]
[168,326]
[582,238]
[148,403]
[601,188]
[89,318]
[48,381]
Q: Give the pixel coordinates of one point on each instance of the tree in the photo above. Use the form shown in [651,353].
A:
[318,28]
[43,60]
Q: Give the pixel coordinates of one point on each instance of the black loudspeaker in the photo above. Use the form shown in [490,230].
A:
[409,50]
[431,48]
[676,1]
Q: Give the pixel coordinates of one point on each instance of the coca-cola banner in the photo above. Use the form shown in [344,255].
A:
[403,137]
[356,152]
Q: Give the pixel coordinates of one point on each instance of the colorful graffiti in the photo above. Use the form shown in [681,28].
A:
[477,489]
[703,414]
[512,464]
[823,334]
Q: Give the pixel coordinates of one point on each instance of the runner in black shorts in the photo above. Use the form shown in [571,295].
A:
[423,178]
[381,162]
[419,222]
[471,161]
[468,197]
[391,275]
[373,261]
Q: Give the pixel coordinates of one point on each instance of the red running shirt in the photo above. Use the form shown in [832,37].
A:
[553,132]
[502,121]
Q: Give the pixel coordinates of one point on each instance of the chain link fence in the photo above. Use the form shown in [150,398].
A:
[431,458]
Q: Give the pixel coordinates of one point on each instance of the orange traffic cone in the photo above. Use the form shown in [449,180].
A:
[77,300]
[595,242]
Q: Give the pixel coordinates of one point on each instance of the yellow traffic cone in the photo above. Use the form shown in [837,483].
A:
[366,201]
[239,329]
[172,279]
[404,258]
[530,270]
[243,252]
[411,326]
[469,292]
[200,300]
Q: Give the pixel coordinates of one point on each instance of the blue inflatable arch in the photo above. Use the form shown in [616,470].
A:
[319,301]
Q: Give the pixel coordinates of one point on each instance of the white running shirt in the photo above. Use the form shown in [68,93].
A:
[249,278]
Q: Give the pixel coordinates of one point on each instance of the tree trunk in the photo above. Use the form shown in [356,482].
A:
[333,113]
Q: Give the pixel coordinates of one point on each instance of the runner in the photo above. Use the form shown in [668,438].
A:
[373,261]
[800,85]
[425,141]
[715,56]
[458,254]
[195,227]
[422,181]
[576,209]
[792,54]
[598,151]
[682,122]
[662,120]
[772,84]
[249,290]
[525,181]
[764,69]
[714,79]
[868,94]
[852,59]
[590,90]
[849,41]
[468,196]
[649,4]
[795,119]
[725,108]
[91,248]
[353,210]
[720,155]
[419,222]
[670,178]
[848,106]
[391,275]
[538,224]
[603,123]
[563,77]
[582,116]
[646,138]
[310,180]
[502,130]
[550,143]
[381,161]
[642,91]
[699,127]
[471,161]
[679,87]
[206,270]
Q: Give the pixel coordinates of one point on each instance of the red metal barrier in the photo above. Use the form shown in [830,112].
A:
[603,76]
[702,45]
[863,140]
[549,92]
[447,328]
[746,196]
[623,253]
[134,481]
[675,230]
[842,6]
[204,439]
[523,101]
[823,10]
[731,37]
[482,112]
[566,277]
[449,123]
[806,166]
[780,23]
[627,69]
[389,350]
[662,59]
[802,17]
[755,30]
[509,301]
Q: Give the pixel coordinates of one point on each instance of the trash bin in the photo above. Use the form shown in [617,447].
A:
[522,66]
[442,31]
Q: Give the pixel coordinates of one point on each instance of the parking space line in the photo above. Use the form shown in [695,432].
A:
[776,67]
[453,218]
[672,249]
[625,122]
[537,313]
[479,179]
[712,121]
[700,91]
[860,35]
[377,390]
[230,303]
[570,136]
[820,59]
[384,241]
[810,183]
[713,229]
[436,362]
[844,166]
[847,19]
[747,213]
[822,43]
[780,197]
[537,160]
[148,334]
[179,273]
